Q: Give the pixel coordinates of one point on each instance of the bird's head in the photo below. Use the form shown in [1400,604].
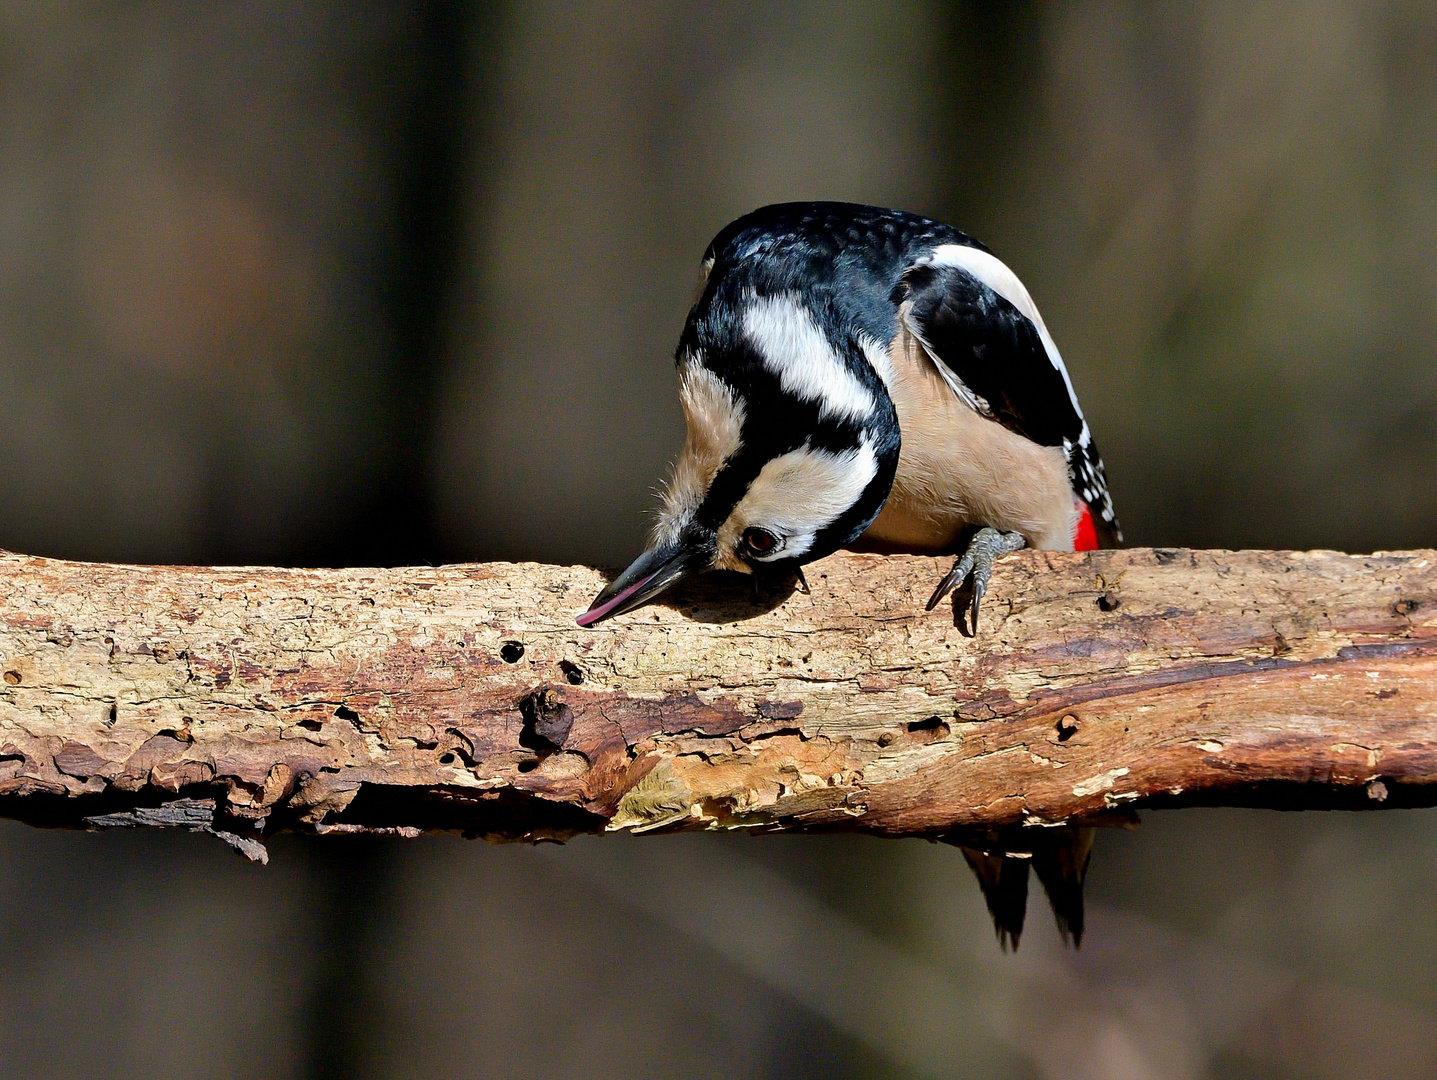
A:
[790,452]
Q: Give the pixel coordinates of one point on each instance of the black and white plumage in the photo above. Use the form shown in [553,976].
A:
[853,376]
[859,376]
[984,333]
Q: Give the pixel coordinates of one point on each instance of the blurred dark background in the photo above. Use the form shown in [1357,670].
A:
[386,283]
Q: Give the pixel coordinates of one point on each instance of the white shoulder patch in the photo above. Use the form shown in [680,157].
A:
[795,349]
[995,274]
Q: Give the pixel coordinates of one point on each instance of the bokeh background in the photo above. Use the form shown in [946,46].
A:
[367,282]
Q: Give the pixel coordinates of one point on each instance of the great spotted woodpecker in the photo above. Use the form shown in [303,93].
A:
[854,376]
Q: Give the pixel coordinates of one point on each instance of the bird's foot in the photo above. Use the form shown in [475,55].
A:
[987,546]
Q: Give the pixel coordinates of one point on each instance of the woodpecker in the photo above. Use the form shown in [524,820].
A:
[859,377]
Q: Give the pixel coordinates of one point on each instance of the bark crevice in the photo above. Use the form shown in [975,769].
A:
[465,698]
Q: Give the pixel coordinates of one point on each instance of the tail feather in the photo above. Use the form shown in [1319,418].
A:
[1004,881]
[1061,863]
[1000,862]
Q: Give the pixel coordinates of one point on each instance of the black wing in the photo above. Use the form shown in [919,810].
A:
[980,327]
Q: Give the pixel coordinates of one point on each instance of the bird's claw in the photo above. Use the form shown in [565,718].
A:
[987,546]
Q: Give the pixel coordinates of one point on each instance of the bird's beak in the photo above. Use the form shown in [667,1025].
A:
[650,574]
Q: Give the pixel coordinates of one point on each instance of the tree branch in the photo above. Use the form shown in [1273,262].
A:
[242,701]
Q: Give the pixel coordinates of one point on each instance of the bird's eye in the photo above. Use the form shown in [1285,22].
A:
[759,541]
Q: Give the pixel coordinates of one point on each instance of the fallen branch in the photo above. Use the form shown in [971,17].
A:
[242,701]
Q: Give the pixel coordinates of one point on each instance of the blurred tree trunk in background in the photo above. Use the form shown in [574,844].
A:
[228,237]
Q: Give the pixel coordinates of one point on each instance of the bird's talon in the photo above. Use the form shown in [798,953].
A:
[945,584]
[961,569]
[986,547]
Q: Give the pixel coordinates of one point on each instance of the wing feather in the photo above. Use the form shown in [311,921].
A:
[979,326]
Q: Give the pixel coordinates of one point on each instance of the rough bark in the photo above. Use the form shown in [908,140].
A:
[245,700]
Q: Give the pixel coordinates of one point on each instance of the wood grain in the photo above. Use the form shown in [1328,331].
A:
[246,700]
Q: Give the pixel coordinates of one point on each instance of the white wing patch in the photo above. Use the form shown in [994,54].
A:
[714,416]
[994,273]
[795,349]
[797,494]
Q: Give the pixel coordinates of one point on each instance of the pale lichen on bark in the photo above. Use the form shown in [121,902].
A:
[465,697]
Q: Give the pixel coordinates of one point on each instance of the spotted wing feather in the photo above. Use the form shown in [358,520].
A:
[1001,361]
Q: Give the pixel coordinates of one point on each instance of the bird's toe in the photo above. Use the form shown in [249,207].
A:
[987,547]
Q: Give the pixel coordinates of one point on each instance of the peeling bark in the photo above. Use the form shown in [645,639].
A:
[242,701]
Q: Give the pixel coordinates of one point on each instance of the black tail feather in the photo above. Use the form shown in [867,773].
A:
[1004,881]
[1061,861]
[1000,861]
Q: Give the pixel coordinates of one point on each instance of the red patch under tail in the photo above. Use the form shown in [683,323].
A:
[1085,538]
